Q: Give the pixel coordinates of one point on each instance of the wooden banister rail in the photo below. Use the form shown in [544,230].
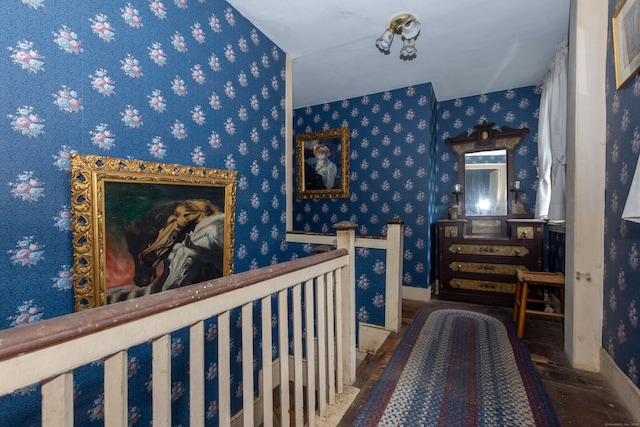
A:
[36,336]
[39,335]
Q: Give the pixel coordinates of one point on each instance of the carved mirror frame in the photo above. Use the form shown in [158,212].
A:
[488,138]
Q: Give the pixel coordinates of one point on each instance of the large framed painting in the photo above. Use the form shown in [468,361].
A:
[141,228]
[322,164]
[626,41]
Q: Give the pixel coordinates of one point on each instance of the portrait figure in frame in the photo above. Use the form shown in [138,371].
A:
[324,170]
[322,164]
[322,161]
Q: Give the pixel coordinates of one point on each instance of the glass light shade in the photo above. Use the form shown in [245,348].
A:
[408,48]
[384,42]
[410,29]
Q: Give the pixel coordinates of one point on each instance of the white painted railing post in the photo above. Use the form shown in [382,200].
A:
[395,253]
[346,238]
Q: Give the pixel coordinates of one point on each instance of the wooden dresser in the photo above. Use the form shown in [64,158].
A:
[482,268]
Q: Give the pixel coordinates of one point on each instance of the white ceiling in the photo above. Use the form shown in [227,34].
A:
[465,47]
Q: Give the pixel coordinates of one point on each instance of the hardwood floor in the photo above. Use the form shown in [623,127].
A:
[580,398]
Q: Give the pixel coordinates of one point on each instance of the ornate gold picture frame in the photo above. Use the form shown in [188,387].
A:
[626,41]
[141,227]
[322,164]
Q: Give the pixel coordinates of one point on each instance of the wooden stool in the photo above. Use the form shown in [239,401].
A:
[535,278]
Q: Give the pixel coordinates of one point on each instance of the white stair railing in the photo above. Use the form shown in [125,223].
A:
[392,244]
[47,352]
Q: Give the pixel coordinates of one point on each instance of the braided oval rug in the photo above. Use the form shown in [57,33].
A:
[459,368]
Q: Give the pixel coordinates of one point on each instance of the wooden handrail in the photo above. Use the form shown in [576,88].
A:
[314,234]
[28,338]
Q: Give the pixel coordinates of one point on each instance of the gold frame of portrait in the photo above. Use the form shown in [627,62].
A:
[338,141]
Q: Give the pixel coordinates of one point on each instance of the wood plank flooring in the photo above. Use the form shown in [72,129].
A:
[580,398]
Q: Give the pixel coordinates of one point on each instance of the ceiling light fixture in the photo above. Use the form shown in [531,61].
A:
[408,27]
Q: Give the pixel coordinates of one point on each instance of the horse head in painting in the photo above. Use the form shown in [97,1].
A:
[200,256]
[183,219]
[140,233]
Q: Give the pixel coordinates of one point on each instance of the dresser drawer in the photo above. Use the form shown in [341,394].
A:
[486,268]
[451,231]
[525,230]
[482,285]
[487,249]
[524,233]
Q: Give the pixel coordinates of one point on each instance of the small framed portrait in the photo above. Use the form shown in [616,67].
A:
[322,164]
[626,41]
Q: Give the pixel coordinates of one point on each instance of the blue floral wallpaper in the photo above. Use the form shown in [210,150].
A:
[190,82]
[621,331]
[392,137]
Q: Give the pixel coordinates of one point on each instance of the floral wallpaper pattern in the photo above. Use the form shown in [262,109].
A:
[391,161]
[621,312]
[189,82]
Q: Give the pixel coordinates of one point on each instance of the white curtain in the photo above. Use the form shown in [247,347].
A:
[631,210]
[550,200]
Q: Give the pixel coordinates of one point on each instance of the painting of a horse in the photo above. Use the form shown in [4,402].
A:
[199,256]
[140,233]
[195,257]
[183,219]
[131,213]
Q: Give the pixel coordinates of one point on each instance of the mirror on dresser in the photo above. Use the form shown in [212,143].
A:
[491,234]
[487,191]
[485,183]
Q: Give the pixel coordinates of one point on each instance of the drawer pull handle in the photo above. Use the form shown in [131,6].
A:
[517,252]
[451,233]
[524,234]
[459,267]
[458,285]
[458,250]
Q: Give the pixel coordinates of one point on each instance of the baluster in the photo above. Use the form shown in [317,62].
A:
[321,298]
[332,342]
[224,370]
[115,389]
[196,374]
[311,360]
[161,372]
[283,351]
[267,363]
[247,364]
[297,353]
[57,400]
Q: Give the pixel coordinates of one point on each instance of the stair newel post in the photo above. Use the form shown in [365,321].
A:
[345,234]
[395,248]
